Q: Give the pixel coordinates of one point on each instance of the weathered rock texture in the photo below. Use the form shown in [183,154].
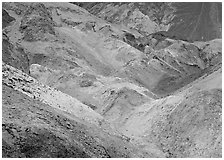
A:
[199,21]
[117,72]
[32,129]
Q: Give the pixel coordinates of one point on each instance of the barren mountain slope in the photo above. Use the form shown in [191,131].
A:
[185,124]
[190,21]
[112,76]
[73,47]
[33,129]
[157,127]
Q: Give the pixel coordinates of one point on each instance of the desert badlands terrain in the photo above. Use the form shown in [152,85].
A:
[113,80]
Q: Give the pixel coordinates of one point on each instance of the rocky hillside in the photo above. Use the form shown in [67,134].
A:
[189,21]
[111,80]
[32,129]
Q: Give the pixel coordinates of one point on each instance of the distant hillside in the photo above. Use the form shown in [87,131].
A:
[199,21]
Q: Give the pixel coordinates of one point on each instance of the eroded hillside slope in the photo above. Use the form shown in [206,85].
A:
[74,53]
[186,124]
[141,89]
[36,123]
[189,21]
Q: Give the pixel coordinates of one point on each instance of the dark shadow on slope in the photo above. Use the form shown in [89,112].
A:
[6,18]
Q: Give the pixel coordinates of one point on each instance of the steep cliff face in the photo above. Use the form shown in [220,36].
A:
[118,68]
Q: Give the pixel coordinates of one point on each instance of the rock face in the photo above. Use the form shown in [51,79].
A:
[111,80]
[41,23]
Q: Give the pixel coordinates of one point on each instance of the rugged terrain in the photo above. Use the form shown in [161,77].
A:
[186,21]
[111,80]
